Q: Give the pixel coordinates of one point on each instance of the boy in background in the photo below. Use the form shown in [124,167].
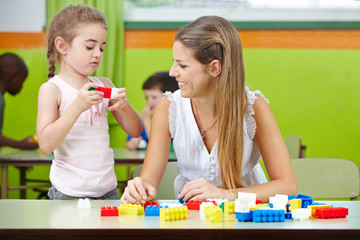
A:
[13,73]
[154,87]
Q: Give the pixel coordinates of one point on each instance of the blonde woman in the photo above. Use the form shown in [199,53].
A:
[220,129]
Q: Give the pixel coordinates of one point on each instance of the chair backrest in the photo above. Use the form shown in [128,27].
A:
[166,188]
[293,145]
[327,177]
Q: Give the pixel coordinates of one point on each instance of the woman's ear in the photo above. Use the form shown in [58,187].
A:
[61,45]
[215,68]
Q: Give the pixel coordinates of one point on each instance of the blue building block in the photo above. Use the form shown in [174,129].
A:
[268,215]
[244,216]
[305,200]
[181,200]
[290,197]
[288,216]
[153,211]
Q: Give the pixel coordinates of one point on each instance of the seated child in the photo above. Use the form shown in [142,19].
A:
[153,87]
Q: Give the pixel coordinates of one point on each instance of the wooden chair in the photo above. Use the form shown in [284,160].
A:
[166,188]
[294,146]
[327,177]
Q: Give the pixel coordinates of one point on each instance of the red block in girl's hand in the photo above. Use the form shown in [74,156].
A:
[106,91]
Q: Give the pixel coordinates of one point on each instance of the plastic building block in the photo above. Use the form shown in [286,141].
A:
[259,206]
[171,214]
[314,207]
[268,215]
[337,212]
[107,211]
[242,205]
[249,196]
[194,204]
[305,200]
[279,201]
[153,211]
[301,213]
[131,209]
[244,216]
[294,204]
[202,208]
[288,216]
[84,203]
[215,214]
[108,92]
[151,203]
[229,207]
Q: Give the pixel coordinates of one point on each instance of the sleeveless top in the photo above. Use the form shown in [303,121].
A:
[193,159]
[84,162]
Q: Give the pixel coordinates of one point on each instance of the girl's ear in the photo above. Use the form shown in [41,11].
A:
[215,68]
[61,45]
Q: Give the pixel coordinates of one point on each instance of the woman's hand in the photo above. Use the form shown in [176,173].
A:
[138,191]
[201,189]
[120,100]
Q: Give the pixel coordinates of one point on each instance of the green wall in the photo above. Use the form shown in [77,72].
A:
[312,94]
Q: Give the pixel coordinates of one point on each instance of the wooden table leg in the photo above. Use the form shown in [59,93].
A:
[22,181]
[4,182]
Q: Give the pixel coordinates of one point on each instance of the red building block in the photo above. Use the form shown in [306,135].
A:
[337,212]
[151,203]
[106,91]
[194,204]
[109,211]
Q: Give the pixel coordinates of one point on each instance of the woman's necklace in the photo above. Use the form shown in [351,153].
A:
[202,130]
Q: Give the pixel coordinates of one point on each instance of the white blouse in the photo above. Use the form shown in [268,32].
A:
[193,159]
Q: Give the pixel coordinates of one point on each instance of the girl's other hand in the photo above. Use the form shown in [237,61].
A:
[138,191]
[120,100]
[85,98]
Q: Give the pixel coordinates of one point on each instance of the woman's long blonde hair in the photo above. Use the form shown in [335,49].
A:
[65,25]
[210,38]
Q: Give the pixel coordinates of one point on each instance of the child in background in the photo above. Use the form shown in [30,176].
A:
[13,73]
[72,121]
[220,129]
[154,88]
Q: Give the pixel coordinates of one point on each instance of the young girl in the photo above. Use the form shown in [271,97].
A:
[220,129]
[72,121]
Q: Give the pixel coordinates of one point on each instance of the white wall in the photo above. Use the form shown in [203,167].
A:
[22,15]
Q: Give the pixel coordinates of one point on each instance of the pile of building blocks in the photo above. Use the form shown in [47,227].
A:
[246,209]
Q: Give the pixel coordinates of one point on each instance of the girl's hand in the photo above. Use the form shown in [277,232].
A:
[120,100]
[85,98]
[138,191]
[201,189]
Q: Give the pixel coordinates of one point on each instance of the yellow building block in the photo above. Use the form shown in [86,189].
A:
[258,206]
[314,207]
[131,209]
[207,210]
[215,214]
[229,207]
[171,214]
[294,204]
